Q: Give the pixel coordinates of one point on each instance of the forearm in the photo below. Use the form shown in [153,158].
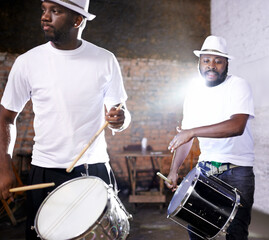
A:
[4,139]
[7,132]
[179,156]
[233,127]
[7,178]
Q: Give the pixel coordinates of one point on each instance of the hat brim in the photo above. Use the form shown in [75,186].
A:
[81,11]
[198,53]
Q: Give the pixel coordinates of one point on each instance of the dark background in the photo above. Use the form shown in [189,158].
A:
[165,29]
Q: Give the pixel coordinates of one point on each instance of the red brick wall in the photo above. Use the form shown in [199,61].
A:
[155,91]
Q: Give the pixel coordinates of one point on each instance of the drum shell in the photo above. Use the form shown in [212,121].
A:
[208,205]
[109,221]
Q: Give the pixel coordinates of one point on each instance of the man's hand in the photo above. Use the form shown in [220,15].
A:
[181,138]
[115,117]
[172,177]
[7,179]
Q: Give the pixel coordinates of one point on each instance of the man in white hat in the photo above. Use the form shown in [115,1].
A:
[217,110]
[71,84]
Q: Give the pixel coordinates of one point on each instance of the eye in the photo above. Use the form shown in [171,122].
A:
[56,11]
[218,61]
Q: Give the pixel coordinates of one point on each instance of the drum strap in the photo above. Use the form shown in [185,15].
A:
[110,172]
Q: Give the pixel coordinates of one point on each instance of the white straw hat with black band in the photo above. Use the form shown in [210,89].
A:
[79,6]
[214,45]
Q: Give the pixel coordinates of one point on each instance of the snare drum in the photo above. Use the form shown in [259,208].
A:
[207,204]
[85,207]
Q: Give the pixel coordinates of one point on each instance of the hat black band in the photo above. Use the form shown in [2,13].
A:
[213,50]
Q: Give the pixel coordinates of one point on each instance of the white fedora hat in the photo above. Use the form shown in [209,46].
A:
[79,6]
[215,46]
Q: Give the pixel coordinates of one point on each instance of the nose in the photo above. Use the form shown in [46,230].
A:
[45,17]
[212,66]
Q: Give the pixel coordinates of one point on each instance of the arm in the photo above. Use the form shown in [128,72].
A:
[7,178]
[235,126]
[179,156]
[118,119]
[182,142]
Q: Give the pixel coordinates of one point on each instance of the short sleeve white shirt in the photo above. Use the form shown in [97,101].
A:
[210,105]
[68,90]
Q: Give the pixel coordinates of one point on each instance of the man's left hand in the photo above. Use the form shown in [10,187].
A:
[115,117]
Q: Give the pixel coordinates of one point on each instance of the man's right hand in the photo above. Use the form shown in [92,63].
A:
[7,179]
[172,177]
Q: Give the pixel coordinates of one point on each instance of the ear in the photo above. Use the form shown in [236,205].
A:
[78,21]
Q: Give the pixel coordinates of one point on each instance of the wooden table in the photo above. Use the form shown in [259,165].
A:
[155,164]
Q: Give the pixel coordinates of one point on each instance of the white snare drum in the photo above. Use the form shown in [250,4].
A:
[85,207]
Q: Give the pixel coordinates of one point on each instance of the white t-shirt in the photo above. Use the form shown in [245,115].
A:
[68,89]
[210,105]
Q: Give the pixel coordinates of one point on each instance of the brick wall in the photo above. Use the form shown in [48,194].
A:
[156,90]
[244,23]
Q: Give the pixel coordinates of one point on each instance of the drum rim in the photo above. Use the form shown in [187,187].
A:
[62,185]
[188,193]
[225,226]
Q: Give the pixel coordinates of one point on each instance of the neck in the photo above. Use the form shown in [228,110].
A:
[71,45]
[217,82]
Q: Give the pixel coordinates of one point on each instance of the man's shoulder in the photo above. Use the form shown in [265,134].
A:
[30,55]
[236,80]
[34,50]
[95,49]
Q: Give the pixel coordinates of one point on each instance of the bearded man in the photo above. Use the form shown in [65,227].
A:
[75,87]
[217,110]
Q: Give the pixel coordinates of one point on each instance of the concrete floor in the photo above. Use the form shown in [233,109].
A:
[148,223]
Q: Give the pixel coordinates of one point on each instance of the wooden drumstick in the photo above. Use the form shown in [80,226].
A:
[70,168]
[32,187]
[164,178]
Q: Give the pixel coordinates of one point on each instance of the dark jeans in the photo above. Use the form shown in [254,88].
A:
[58,176]
[243,179]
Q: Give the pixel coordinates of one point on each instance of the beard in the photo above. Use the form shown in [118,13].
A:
[220,77]
[56,36]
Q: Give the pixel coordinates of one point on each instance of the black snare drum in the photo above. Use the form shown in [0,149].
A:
[207,204]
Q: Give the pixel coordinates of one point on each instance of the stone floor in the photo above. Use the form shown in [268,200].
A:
[149,223]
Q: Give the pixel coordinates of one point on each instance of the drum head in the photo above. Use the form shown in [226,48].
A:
[183,192]
[71,209]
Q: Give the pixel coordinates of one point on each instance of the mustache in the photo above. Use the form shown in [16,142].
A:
[46,24]
[212,71]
